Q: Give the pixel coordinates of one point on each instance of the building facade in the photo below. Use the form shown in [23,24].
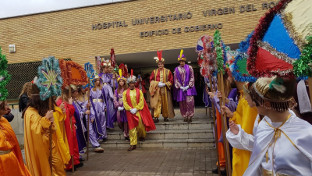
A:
[131,28]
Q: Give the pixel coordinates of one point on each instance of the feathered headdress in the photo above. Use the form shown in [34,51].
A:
[159,57]
[106,63]
[113,57]
[132,78]
[262,89]
[181,57]
[121,77]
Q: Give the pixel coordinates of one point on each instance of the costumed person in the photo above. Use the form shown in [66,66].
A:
[37,120]
[140,84]
[185,91]
[139,117]
[11,159]
[98,109]
[59,115]
[245,113]
[70,127]
[118,101]
[244,117]
[282,144]
[81,110]
[231,103]
[80,120]
[108,85]
[24,96]
[161,81]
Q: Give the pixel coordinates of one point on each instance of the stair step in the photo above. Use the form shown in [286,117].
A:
[166,143]
[178,125]
[169,134]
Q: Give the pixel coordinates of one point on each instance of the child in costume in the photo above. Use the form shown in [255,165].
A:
[282,140]
[108,81]
[37,120]
[70,127]
[81,112]
[10,153]
[98,109]
[118,102]
[138,115]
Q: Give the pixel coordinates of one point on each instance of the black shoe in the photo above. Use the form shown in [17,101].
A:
[215,171]
[81,159]
[142,139]
[78,165]
[156,120]
[166,119]
[223,172]
[127,139]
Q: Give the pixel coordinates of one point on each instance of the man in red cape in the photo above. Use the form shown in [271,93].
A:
[139,117]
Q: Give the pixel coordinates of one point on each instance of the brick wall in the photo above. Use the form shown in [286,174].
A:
[69,34]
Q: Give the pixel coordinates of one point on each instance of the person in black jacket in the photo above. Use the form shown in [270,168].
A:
[24,96]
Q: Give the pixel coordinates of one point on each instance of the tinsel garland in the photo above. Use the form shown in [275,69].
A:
[302,69]
[49,78]
[219,51]
[5,77]
[259,33]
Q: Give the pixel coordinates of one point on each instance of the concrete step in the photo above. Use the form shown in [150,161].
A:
[204,124]
[166,143]
[169,134]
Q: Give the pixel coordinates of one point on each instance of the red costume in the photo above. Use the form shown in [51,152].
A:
[70,132]
[145,114]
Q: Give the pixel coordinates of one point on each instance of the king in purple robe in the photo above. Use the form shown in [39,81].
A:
[184,84]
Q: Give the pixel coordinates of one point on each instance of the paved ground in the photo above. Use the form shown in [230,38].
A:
[149,162]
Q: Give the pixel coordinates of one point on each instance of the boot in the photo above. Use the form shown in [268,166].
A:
[156,120]
[132,147]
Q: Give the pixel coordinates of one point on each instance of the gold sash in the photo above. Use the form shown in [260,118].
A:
[97,100]
[270,173]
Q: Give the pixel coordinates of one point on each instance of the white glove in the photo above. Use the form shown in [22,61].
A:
[182,88]
[185,88]
[133,111]
[160,84]
[120,108]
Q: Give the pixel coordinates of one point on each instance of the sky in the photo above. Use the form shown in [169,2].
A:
[11,8]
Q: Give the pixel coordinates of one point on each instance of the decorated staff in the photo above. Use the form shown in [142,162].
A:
[49,82]
[207,63]
[220,65]
[72,74]
[91,75]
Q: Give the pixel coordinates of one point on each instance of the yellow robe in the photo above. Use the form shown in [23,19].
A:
[245,116]
[37,145]
[140,129]
[62,143]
